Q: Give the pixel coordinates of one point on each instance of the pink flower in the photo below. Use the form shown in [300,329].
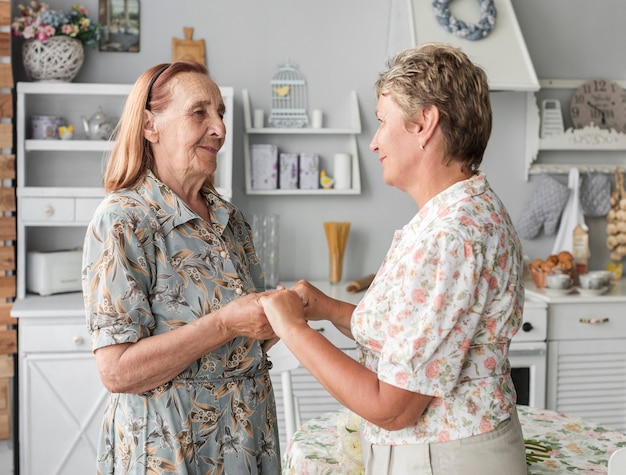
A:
[418,256]
[432,370]
[444,436]
[418,343]
[485,426]
[438,302]
[418,295]
[442,211]
[490,363]
[401,378]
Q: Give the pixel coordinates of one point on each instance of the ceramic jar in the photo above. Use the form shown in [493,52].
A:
[45,127]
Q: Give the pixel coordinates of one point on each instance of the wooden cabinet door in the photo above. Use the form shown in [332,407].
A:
[588,379]
[62,404]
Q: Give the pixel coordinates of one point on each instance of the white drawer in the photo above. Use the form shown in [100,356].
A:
[587,321]
[85,208]
[42,210]
[53,338]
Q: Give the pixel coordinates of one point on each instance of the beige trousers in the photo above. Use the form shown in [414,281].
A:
[498,452]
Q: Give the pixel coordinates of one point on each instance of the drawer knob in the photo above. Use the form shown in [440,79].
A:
[48,211]
[78,340]
[594,321]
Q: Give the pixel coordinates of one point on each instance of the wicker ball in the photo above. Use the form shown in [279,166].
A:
[59,58]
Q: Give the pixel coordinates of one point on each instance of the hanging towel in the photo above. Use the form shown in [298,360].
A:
[572,216]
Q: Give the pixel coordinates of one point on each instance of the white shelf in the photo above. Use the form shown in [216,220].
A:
[350,132]
[587,139]
[31,145]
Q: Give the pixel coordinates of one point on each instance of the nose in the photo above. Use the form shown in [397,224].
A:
[374,143]
[216,127]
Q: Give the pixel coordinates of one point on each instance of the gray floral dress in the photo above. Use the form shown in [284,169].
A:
[150,266]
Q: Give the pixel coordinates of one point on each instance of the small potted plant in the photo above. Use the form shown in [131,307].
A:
[53,49]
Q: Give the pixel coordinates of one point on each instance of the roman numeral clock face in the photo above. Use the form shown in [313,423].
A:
[599,102]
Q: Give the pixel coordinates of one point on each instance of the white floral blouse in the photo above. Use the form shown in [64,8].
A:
[439,316]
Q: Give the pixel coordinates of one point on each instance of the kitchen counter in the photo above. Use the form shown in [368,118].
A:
[616,294]
[59,305]
[71,304]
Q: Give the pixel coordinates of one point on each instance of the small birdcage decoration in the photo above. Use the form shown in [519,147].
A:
[289,97]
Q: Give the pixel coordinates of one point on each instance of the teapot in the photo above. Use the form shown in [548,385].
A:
[99,126]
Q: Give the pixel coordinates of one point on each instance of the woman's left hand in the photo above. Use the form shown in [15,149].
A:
[283,309]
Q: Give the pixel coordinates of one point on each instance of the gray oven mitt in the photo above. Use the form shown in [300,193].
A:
[544,208]
[595,194]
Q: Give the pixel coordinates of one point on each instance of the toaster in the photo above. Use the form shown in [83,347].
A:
[53,272]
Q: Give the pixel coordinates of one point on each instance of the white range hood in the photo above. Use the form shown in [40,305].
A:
[502,54]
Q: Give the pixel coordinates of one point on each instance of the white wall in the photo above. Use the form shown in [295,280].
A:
[341,46]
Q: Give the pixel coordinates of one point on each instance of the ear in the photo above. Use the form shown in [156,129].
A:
[150,130]
[428,119]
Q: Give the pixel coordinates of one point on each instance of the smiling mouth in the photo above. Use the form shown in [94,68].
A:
[210,148]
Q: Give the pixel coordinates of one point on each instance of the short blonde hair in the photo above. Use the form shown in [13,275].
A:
[440,75]
[131,157]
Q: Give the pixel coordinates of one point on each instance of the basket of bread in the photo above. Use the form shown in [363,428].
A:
[561,263]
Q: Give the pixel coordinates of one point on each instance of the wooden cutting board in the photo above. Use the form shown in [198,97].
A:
[188,48]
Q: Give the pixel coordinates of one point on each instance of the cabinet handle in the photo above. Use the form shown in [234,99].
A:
[594,321]
[78,340]
[48,211]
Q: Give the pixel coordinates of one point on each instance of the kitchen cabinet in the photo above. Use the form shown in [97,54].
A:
[61,399]
[324,141]
[59,182]
[587,355]
[590,149]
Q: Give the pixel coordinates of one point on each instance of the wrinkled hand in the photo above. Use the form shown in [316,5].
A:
[283,309]
[246,317]
[313,300]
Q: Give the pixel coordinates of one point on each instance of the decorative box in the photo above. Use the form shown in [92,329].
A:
[309,171]
[264,166]
[288,178]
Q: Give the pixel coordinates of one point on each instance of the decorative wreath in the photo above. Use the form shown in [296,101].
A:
[460,28]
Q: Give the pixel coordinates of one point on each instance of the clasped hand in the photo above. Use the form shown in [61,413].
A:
[289,308]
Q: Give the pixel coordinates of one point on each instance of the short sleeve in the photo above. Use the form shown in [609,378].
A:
[117,277]
[430,325]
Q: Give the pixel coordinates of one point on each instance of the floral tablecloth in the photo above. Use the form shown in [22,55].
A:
[578,446]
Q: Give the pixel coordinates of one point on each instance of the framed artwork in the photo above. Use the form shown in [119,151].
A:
[119,25]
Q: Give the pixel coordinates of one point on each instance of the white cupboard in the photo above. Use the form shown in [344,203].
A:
[587,356]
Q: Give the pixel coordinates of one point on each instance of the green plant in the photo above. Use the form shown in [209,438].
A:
[38,21]
[536,451]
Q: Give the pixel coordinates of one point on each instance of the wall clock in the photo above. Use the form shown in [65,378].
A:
[601,102]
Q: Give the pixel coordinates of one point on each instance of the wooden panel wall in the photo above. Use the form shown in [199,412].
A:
[8,325]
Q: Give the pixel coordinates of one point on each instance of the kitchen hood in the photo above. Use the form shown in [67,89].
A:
[502,53]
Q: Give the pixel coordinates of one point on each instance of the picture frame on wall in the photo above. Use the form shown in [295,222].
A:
[119,25]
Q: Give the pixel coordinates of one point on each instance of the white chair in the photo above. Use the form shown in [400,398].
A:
[617,462]
[284,362]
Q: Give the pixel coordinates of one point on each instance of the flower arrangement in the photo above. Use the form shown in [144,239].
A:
[38,21]
[349,450]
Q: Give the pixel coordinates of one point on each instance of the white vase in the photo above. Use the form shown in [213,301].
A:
[58,58]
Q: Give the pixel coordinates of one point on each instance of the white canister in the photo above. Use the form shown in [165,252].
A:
[258,119]
[45,127]
[342,171]
[318,119]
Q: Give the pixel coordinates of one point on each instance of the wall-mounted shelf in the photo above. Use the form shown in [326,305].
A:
[581,142]
[254,135]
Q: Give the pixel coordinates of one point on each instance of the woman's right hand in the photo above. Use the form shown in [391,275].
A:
[315,301]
